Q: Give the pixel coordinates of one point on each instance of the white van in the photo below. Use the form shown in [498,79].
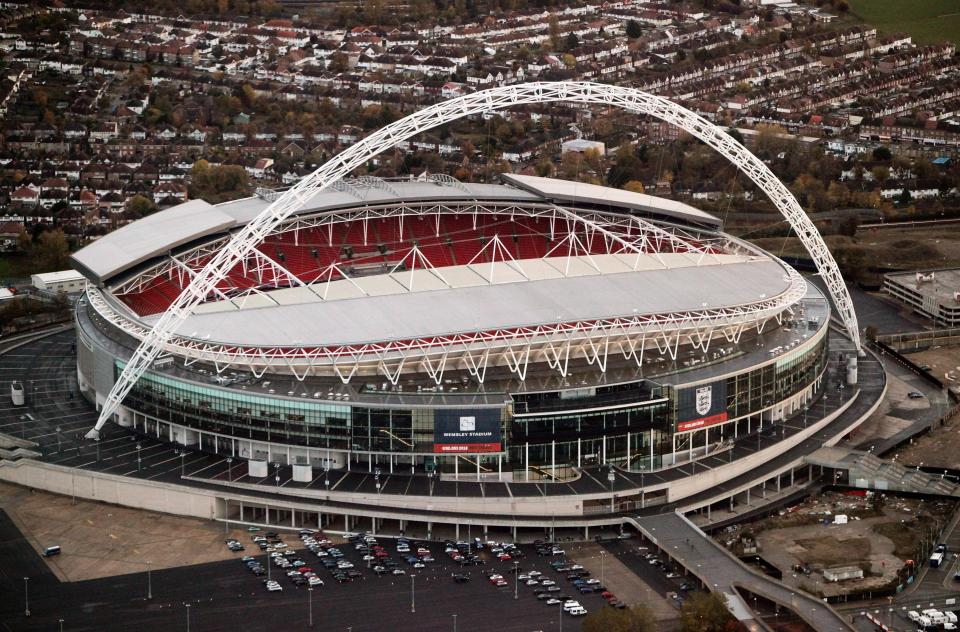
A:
[913,615]
[951,616]
[579,611]
[570,605]
[924,622]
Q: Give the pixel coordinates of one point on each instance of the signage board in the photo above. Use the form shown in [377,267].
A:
[462,431]
[701,406]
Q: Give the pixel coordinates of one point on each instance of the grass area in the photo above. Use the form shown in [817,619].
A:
[927,21]
[905,248]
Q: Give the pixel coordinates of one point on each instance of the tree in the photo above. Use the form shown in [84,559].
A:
[553,26]
[870,333]
[51,251]
[634,186]
[139,206]
[882,153]
[633,29]
[634,619]
[704,612]
[572,41]
[880,173]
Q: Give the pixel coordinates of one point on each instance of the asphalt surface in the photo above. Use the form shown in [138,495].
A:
[226,596]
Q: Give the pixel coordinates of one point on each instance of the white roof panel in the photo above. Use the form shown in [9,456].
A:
[568,191]
[406,315]
[149,237]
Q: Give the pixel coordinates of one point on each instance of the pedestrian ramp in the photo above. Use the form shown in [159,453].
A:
[868,471]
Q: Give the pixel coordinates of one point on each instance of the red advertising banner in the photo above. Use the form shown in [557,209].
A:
[446,448]
[703,422]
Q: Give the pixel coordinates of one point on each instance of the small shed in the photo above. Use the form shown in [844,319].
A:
[840,573]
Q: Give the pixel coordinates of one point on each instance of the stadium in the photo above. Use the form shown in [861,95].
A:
[425,349]
[535,324]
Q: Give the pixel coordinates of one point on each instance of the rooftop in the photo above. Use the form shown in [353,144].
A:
[941,286]
[160,233]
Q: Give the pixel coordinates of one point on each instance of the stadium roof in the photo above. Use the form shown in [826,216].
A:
[391,312]
[567,191]
[160,234]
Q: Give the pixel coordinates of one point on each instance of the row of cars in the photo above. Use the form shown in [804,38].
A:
[547,589]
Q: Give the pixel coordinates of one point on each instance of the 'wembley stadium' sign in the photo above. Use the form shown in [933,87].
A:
[466,431]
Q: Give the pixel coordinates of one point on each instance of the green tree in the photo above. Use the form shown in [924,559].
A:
[139,206]
[553,25]
[572,41]
[51,251]
[704,612]
[633,29]
[634,619]
[882,153]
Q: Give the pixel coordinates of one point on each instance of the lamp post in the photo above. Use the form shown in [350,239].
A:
[26,596]
[60,621]
[183,462]
[413,594]
[149,583]
[454,623]
[611,477]
[230,468]
[804,415]
[138,457]
[376,479]
[58,439]
[188,617]
[310,601]
[603,554]
[516,579]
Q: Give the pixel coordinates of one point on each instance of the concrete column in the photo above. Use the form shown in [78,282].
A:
[267,518]
[778,483]
[586,533]
[346,522]
[748,497]
[499,467]
[731,502]
[708,512]
[514,534]
[429,530]
[578,451]
[526,462]
[456,532]
[456,466]
[791,476]
[764,489]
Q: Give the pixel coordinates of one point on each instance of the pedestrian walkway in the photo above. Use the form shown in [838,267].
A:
[721,572]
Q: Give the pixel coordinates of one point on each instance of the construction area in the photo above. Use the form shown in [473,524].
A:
[843,543]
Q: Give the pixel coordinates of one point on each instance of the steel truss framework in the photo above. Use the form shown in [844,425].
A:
[515,348]
[244,241]
[620,233]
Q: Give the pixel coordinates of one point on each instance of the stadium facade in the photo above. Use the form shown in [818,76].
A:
[516,331]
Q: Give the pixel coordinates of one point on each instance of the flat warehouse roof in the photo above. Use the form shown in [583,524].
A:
[402,315]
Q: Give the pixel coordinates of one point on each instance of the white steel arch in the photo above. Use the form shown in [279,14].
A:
[245,241]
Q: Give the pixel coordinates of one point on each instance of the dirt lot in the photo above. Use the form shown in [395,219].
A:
[101,540]
[878,537]
[896,248]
